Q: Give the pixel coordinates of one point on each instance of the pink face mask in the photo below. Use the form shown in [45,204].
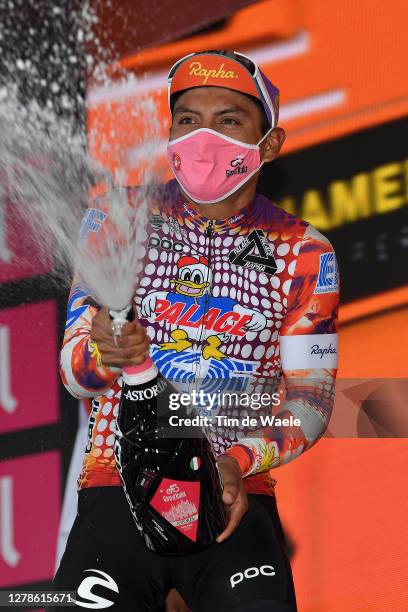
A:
[210,166]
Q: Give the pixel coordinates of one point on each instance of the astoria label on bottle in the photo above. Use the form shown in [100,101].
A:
[172,484]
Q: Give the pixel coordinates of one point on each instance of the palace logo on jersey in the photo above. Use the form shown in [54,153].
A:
[328,277]
[254,252]
[219,318]
[192,313]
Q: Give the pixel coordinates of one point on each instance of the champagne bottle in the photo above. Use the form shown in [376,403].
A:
[173,485]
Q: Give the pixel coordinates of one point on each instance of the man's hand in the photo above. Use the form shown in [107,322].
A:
[132,347]
[234,496]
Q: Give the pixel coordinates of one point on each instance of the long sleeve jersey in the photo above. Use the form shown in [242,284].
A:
[239,303]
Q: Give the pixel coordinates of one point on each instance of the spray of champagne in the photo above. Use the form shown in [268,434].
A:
[47,175]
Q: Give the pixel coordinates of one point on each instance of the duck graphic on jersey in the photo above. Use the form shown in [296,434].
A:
[194,315]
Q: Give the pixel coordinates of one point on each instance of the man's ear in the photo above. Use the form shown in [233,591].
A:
[273,144]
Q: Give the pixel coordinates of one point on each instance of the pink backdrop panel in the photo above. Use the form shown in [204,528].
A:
[30,504]
[28,366]
[19,251]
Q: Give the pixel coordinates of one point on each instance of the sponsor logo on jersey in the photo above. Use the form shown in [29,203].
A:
[175,227]
[252,572]
[85,596]
[317,350]
[91,222]
[301,352]
[96,404]
[176,313]
[234,219]
[254,252]
[166,243]
[328,278]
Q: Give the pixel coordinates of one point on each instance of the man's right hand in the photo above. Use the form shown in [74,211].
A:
[132,347]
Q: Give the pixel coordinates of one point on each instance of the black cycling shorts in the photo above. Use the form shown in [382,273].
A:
[106,560]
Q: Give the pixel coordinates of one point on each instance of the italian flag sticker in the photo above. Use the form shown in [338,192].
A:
[195,463]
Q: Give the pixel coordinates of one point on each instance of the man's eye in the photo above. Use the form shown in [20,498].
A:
[186,120]
[230,121]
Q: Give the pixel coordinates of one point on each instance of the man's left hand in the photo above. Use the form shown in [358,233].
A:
[234,495]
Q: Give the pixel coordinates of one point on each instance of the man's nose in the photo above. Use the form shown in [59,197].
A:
[209,121]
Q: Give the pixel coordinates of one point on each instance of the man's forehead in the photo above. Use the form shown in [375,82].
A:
[218,96]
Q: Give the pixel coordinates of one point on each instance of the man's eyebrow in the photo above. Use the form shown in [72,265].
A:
[232,109]
[225,111]
[184,109]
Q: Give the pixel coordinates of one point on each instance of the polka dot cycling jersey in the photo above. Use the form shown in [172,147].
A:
[230,306]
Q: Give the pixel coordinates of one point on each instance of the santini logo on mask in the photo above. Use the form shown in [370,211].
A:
[201,163]
[237,165]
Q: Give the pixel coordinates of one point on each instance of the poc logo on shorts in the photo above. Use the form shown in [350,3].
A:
[252,572]
[90,600]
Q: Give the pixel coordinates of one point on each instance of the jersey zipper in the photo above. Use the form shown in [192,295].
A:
[208,232]
[209,228]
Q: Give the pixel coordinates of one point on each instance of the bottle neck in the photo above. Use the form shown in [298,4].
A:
[140,374]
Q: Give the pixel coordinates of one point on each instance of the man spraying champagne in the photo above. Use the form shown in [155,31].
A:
[236,293]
